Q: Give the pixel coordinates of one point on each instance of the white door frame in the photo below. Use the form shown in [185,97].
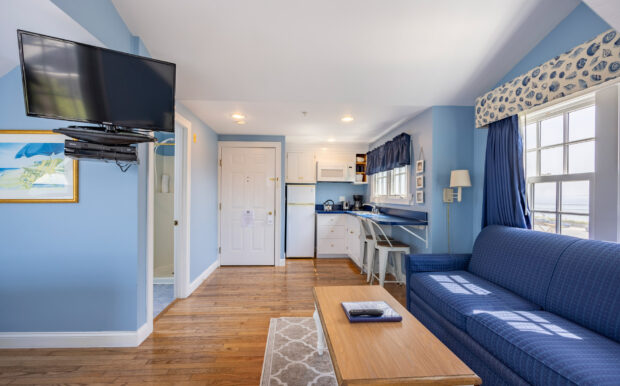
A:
[278,203]
[182,189]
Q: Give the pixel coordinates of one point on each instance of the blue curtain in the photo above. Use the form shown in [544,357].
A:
[504,201]
[390,155]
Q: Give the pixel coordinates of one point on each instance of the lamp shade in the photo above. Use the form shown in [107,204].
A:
[459,178]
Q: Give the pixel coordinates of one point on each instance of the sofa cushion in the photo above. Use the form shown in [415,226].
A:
[585,287]
[457,294]
[520,260]
[546,349]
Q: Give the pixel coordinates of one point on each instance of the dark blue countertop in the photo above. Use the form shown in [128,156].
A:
[388,216]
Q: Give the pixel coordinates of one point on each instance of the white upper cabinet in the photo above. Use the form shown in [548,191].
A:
[300,167]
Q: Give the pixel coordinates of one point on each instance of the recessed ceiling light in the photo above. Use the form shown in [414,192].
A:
[347,118]
[331,140]
[240,122]
[238,116]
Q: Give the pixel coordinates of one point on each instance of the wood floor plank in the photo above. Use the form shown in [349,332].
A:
[216,336]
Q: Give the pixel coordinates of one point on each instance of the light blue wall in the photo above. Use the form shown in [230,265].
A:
[203,216]
[579,26]
[68,267]
[102,20]
[333,190]
[82,267]
[452,149]
[420,128]
[267,138]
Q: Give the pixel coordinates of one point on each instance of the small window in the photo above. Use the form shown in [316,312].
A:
[559,167]
[391,186]
[398,182]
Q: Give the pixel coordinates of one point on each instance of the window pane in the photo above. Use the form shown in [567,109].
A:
[578,226]
[576,196]
[552,131]
[581,157]
[531,163]
[552,161]
[530,136]
[544,222]
[581,124]
[544,196]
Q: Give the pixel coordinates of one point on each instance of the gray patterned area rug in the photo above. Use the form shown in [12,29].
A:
[291,357]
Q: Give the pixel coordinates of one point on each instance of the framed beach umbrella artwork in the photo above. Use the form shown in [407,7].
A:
[34,169]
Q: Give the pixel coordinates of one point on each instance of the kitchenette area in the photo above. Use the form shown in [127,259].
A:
[328,208]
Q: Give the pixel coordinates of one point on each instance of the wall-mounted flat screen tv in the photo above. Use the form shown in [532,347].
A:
[79,82]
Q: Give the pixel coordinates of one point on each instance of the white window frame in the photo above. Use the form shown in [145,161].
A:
[388,198]
[560,110]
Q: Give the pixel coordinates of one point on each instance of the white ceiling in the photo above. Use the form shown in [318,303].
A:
[377,60]
[40,16]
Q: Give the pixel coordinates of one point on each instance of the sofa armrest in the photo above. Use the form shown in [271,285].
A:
[436,262]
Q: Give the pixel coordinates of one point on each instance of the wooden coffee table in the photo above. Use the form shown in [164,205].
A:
[383,353]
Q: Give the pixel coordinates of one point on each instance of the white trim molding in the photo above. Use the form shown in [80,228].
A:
[203,276]
[75,339]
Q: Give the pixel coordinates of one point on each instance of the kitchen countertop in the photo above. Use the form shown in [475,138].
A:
[381,218]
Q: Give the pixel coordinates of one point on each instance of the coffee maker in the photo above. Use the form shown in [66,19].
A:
[358,201]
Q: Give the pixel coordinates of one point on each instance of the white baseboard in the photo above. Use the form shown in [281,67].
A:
[203,276]
[75,339]
[163,280]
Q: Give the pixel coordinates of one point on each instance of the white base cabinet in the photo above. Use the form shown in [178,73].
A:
[338,235]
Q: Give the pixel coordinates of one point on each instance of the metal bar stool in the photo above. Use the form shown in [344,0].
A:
[385,245]
[369,248]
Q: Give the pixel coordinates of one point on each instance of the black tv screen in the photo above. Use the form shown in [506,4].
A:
[79,82]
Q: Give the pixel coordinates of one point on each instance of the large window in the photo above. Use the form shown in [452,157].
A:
[391,185]
[559,168]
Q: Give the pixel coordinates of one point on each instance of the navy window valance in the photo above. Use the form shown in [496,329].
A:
[390,155]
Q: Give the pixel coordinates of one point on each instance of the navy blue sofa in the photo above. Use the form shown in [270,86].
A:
[525,307]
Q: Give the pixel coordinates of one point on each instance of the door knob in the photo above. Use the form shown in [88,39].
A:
[269,213]
[176,222]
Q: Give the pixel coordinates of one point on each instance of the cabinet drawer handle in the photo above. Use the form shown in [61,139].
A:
[332,231]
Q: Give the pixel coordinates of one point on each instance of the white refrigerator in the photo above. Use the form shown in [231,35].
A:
[300,220]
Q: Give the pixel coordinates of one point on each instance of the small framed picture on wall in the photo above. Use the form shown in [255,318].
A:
[419,166]
[419,197]
[419,182]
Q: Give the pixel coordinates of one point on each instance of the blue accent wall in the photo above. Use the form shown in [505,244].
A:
[452,149]
[203,211]
[100,18]
[68,267]
[333,190]
[579,26]
[267,138]
[82,267]
[420,128]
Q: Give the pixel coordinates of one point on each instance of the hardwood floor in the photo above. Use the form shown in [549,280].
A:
[216,336]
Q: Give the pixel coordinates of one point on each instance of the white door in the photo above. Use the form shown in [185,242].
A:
[248,196]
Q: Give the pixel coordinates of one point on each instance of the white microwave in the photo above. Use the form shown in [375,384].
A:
[335,172]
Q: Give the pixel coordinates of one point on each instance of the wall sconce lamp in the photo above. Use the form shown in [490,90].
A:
[458,179]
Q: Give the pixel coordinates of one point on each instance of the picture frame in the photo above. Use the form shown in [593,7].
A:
[419,166]
[419,182]
[34,168]
[419,197]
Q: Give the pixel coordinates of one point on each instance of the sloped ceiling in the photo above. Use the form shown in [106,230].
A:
[608,10]
[40,16]
[380,61]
